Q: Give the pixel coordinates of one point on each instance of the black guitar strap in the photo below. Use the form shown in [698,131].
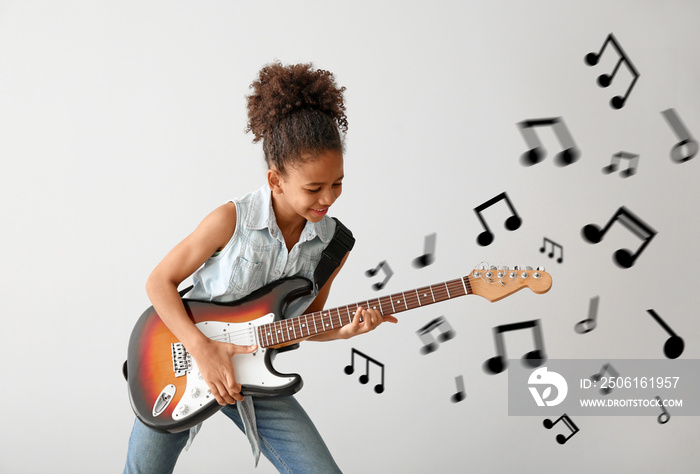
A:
[334,253]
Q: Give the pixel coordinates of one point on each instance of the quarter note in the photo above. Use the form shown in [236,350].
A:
[615,163]
[373,271]
[460,394]
[512,223]
[364,378]
[534,358]
[686,139]
[430,344]
[604,80]
[623,257]
[665,415]
[674,345]
[428,256]
[587,325]
[537,153]
[561,439]
[554,247]
[597,377]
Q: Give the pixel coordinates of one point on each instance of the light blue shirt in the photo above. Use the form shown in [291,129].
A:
[257,254]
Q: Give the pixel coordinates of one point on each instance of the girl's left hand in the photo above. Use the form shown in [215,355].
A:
[365,320]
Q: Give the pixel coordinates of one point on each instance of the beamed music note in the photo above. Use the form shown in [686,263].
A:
[604,80]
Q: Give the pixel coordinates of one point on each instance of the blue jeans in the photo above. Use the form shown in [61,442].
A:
[288,438]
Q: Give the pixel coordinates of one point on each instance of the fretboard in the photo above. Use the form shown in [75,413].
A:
[311,324]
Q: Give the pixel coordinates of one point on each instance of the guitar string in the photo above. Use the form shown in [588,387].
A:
[409,302]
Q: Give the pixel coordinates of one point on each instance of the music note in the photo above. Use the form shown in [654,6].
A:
[665,415]
[364,378]
[587,325]
[537,153]
[430,344]
[686,139]
[373,271]
[535,358]
[561,439]
[554,246]
[597,377]
[674,345]
[604,80]
[623,257]
[460,394]
[428,256]
[512,223]
[615,163]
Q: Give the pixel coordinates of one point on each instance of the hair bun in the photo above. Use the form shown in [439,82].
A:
[280,91]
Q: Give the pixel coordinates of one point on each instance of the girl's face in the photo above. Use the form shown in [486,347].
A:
[308,189]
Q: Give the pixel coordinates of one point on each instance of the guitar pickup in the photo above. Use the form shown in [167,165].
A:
[182,362]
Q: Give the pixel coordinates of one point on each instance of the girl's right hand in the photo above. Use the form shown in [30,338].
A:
[215,363]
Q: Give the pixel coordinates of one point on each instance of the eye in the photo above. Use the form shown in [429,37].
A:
[314,190]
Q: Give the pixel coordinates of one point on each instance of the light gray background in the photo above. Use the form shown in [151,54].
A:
[121,126]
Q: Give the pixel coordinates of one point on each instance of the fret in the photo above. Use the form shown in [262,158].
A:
[340,318]
[465,286]
[424,297]
[410,304]
[448,290]
[304,325]
[374,304]
[393,308]
[398,300]
[280,333]
[468,285]
[315,327]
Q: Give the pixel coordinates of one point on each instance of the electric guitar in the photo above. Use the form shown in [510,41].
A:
[168,393]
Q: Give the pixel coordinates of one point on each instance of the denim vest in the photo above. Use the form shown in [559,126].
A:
[257,255]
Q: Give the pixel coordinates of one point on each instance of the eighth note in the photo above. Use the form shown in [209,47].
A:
[615,162]
[604,80]
[428,256]
[373,271]
[686,139]
[430,344]
[561,439]
[623,257]
[597,378]
[512,223]
[534,358]
[460,394]
[537,153]
[587,325]
[665,415]
[674,345]
[554,246]
[364,378]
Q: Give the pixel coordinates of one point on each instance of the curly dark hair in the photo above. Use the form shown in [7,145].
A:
[297,111]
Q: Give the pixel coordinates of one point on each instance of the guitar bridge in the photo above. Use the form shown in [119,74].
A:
[182,362]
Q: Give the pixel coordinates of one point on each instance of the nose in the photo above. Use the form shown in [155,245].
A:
[328,197]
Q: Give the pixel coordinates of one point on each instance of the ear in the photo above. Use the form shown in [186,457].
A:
[274,180]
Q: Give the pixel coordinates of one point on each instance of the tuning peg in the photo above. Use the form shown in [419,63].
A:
[540,269]
[516,268]
[528,268]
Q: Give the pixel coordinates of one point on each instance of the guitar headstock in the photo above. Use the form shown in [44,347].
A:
[495,283]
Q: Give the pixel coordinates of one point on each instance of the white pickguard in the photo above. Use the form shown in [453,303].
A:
[250,369]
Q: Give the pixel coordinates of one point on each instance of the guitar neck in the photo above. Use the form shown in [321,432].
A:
[283,332]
